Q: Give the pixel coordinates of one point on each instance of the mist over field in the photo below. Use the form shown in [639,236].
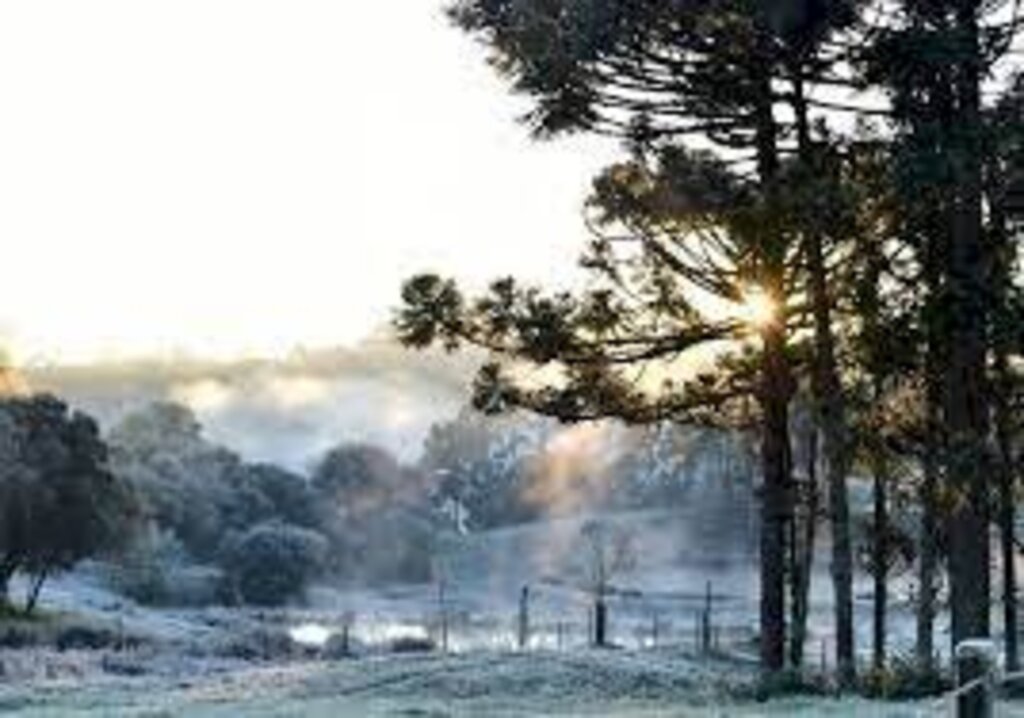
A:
[286,411]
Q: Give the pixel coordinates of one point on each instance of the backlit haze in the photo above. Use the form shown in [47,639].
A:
[229,178]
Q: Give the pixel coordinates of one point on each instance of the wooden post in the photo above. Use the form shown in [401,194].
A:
[600,622]
[696,632]
[705,642]
[975,665]
[524,618]
[443,608]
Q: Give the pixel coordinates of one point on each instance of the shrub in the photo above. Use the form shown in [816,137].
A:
[273,563]
[259,644]
[412,644]
[903,679]
[121,664]
[91,638]
[19,637]
[143,571]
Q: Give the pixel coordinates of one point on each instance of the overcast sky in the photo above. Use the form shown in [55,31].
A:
[241,177]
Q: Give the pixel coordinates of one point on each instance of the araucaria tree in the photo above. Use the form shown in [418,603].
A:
[745,196]
[709,224]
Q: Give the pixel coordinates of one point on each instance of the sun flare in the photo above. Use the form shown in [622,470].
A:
[757,307]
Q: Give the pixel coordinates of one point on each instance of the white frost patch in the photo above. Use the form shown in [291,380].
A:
[311,634]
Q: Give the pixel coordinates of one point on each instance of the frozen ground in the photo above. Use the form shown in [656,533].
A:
[488,685]
[186,668]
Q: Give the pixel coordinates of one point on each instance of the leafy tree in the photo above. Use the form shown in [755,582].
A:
[606,551]
[274,492]
[59,502]
[375,514]
[272,563]
[357,477]
[184,480]
[483,465]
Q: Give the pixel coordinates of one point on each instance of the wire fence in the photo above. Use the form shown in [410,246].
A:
[555,616]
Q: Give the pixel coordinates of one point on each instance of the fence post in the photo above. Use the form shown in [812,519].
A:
[443,607]
[696,633]
[524,618]
[706,622]
[600,622]
[975,666]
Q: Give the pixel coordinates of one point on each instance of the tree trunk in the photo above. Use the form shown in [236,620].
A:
[775,498]
[7,569]
[1004,327]
[1007,519]
[967,416]
[34,592]
[936,249]
[928,547]
[524,618]
[803,558]
[776,386]
[828,394]
[879,565]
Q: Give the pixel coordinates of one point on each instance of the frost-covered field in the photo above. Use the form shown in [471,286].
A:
[228,662]
[582,683]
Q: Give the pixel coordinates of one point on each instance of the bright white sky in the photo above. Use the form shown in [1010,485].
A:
[229,177]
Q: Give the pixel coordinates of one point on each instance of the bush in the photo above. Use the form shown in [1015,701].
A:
[273,563]
[412,644]
[92,638]
[259,644]
[790,682]
[121,664]
[19,637]
[144,571]
[903,679]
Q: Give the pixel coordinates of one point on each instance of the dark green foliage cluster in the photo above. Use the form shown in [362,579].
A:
[271,563]
[59,500]
[221,529]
